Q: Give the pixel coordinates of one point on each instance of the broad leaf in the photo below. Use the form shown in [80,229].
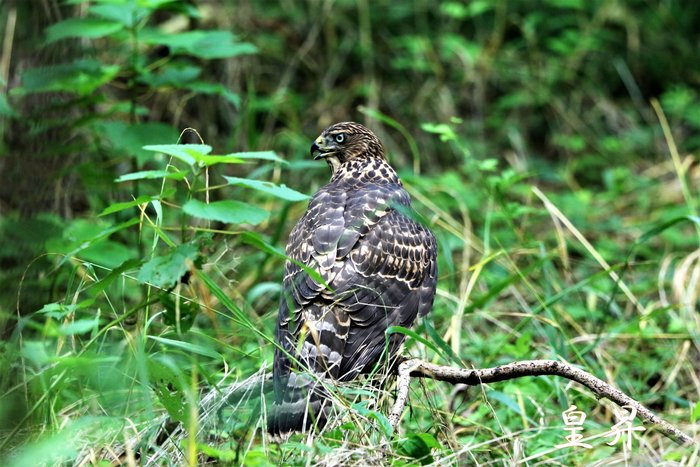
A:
[131,138]
[127,14]
[81,77]
[203,44]
[180,314]
[218,89]
[279,191]
[261,155]
[81,27]
[175,74]
[418,446]
[190,154]
[230,212]
[150,174]
[79,326]
[116,207]
[165,271]
[208,161]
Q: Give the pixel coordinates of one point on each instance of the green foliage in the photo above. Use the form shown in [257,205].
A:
[148,286]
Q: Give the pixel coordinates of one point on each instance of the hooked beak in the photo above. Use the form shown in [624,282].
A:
[319,149]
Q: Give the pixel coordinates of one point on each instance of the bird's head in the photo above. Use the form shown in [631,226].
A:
[344,141]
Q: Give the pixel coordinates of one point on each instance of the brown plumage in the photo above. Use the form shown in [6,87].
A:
[359,264]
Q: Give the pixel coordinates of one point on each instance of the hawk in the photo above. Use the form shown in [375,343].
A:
[357,264]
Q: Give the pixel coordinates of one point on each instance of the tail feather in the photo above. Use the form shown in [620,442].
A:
[301,400]
[305,405]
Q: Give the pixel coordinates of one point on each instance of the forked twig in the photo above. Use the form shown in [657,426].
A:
[420,369]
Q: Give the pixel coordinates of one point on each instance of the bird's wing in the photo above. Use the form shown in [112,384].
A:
[387,280]
[373,263]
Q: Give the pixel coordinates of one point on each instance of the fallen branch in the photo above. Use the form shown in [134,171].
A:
[420,369]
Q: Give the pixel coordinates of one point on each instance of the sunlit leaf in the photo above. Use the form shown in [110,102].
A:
[187,153]
[695,415]
[208,161]
[279,191]
[229,211]
[262,155]
[150,174]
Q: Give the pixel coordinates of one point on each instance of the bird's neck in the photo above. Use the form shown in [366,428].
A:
[364,169]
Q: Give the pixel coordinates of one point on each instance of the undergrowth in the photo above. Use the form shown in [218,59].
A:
[552,152]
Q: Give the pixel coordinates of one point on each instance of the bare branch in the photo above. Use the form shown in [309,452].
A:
[420,369]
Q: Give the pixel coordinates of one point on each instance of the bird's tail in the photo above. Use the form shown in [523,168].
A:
[301,404]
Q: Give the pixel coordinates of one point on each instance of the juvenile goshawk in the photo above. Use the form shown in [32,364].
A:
[358,264]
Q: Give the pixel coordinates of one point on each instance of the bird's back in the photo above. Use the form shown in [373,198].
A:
[358,264]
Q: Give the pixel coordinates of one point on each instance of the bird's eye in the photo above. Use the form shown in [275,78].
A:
[340,137]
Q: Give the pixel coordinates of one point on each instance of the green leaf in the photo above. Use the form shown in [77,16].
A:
[81,77]
[180,314]
[409,333]
[444,130]
[131,138]
[150,174]
[214,159]
[203,44]
[229,211]
[437,339]
[116,207]
[165,271]
[695,414]
[226,456]
[208,161]
[262,155]
[128,14]
[79,326]
[279,191]
[218,89]
[115,273]
[57,310]
[658,229]
[6,109]
[168,382]
[81,27]
[256,240]
[188,347]
[175,74]
[107,253]
[418,446]
[382,421]
[188,153]
[86,238]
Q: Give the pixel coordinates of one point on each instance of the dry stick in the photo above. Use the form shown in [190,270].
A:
[420,369]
